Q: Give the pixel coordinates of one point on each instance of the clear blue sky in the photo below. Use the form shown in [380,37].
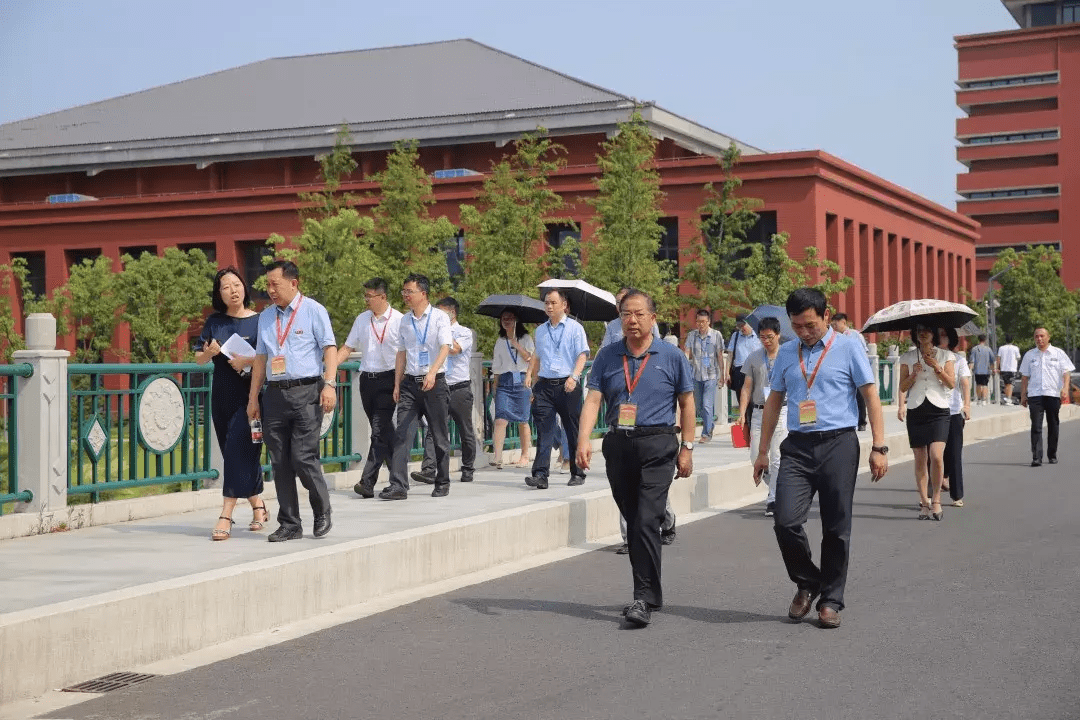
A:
[868,80]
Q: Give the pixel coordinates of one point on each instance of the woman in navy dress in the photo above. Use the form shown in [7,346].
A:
[229,397]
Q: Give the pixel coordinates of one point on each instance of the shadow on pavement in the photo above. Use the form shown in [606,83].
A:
[612,613]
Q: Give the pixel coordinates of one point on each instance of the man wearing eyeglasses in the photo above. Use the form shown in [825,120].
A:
[375,334]
[643,380]
[420,388]
[561,351]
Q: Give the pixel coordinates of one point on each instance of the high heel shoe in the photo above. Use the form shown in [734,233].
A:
[924,510]
[256,524]
[939,513]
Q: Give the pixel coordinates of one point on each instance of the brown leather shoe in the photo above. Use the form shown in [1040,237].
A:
[801,605]
[828,618]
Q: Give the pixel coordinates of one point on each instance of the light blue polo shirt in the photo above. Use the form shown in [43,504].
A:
[667,376]
[303,348]
[843,371]
[559,347]
[741,346]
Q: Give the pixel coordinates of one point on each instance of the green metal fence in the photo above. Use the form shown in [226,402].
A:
[9,453]
[886,368]
[138,426]
[336,446]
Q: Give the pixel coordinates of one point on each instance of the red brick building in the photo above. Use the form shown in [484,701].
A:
[189,165]
[1020,90]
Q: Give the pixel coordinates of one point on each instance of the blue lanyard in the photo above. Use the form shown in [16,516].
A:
[509,349]
[551,335]
[703,344]
[421,341]
[768,367]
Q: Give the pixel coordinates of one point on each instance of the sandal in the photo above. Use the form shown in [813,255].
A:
[257,524]
[924,510]
[220,534]
[495,465]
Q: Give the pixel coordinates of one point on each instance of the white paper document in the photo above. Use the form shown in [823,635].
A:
[237,346]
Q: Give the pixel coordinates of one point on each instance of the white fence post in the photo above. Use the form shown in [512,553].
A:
[361,428]
[43,418]
[476,377]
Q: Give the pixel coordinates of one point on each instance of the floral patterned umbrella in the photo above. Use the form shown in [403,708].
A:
[929,312]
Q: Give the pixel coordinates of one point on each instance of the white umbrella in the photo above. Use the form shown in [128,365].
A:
[929,312]
[587,302]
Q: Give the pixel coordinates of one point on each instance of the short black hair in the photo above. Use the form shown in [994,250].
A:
[839,316]
[1008,338]
[954,337]
[982,338]
[449,302]
[634,292]
[805,299]
[215,294]
[706,313]
[377,283]
[287,267]
[769,323]
[915,333]
[421,281]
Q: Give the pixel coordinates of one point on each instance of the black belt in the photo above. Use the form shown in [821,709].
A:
[644,430]
[286,384]
[376,375]
[820,435]
[554,381]
[462,384]
[419,379]
[759,407]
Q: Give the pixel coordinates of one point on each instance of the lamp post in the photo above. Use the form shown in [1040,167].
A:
[991,322]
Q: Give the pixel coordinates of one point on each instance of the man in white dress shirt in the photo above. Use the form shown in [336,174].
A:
[420,388]
[459,383]
[1007,363]
[375,334]
[1045,372]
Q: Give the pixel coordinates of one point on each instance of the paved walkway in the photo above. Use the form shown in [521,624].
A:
[63,567]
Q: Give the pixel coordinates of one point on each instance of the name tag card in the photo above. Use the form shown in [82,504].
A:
[627,415]
[807,412]
[277,365]
[424,360]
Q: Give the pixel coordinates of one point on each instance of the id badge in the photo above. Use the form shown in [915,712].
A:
[627,415]
[277,365]
[807,412]
[424,360]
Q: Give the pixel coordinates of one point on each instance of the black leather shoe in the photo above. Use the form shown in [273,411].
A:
[441,490]
[1053,461]
[1036,463]
[283,533]
[668,536]
[576,480]
[422,478]
[638,613]
[392,493]
[624,549]
[540,482]
[363,490]
[652,608]
[466,475]
[322,525]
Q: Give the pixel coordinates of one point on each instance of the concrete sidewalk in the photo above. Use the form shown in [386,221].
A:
[79,604]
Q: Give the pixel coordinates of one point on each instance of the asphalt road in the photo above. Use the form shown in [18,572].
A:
[971,617]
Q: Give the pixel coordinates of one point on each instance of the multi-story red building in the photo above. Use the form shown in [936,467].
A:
[216,163]
[1020,140]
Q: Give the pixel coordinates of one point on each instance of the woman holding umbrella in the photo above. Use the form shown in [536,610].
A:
[927,375]
[514,349]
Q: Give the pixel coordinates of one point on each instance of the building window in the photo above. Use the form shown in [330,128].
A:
[455,258]
[1012,193]
[1011,138]
[985,251]
[557,234]
[1070,12]
[1035,79]
[251,254]
[136,251]
[75,257]
[209,249]
[669,241]
[35,271]
[1043,14]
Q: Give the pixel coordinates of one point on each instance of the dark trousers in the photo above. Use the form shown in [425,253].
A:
[433,406]
[861,402]
[461,407]
[817,463]
[292,420]
[377,395]
[640,471]
[737,380]
[954,456]
[1039,405]
[550,399]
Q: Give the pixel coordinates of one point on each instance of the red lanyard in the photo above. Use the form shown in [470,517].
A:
[630,386]
[817,366]
[375,332]
[283,336]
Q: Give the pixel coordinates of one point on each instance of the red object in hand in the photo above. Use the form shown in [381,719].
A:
[739,437]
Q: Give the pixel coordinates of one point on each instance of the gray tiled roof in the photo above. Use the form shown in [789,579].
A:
[459,77]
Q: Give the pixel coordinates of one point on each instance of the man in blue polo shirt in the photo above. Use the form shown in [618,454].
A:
[561,351]
[297,357]
[817,378]
[643,380]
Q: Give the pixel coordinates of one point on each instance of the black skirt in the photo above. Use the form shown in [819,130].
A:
[927,424]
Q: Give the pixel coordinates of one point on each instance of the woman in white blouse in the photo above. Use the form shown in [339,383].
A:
[927,375]
[960,413]
[514,349]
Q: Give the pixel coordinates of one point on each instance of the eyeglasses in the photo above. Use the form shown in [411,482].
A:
[408,293]
[372,296]
[641,315]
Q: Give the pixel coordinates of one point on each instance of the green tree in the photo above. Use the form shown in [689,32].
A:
[10,339]
[627,207]
[162,296]
[56,305]
[716,267]
[1032,294]
[94,305]
[405,238]
[771,274]
[507,252]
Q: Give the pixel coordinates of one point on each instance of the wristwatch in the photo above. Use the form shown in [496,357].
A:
[688,445]
[884,449]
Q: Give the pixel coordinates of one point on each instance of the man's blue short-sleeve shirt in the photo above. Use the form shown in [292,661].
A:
[666,376]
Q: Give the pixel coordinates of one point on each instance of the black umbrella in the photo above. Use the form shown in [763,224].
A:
[527,309]
[774,311]
[587,302]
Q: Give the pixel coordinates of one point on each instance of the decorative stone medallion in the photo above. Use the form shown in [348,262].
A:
[162,414]
[327,422]
[95,439]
